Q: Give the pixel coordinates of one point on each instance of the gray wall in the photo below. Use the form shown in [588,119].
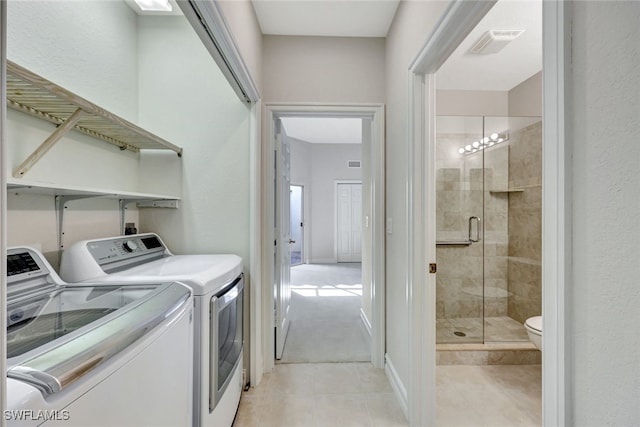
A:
[413,23]
[605,293]
[318,166]
[323,69]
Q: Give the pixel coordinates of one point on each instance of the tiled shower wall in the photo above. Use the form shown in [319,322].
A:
[459,195]
[512,227]
[525,223]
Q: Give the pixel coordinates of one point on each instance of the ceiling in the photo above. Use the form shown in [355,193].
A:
[324,130]
[501,71]
[339,18]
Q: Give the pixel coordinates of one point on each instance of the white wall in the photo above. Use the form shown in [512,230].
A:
[193,105]
[410,29]
[323,69]
[605,293]
[329,163]
[318,166]
[89,48]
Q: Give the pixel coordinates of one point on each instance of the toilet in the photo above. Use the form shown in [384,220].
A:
[533,325]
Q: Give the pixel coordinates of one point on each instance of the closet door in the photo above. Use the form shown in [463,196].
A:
[349,222]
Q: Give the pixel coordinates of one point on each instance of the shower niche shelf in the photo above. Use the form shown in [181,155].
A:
[508,190]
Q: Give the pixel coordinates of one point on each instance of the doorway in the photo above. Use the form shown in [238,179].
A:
[457,23]
[372,309]
[296,218]
[318,303]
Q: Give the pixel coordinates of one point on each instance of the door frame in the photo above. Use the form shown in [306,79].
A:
[375,112]
[459,19]
[303,211]
[335,211]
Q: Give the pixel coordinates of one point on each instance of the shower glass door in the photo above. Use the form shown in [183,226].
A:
[488,218]
[459,223]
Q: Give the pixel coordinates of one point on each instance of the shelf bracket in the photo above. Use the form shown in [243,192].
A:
[143,203]
[60,131]
[61,202]
[123,207]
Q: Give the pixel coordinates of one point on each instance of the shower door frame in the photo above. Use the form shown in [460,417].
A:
[459,19]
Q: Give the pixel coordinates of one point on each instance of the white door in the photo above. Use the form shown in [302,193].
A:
[349,226]
[282,291]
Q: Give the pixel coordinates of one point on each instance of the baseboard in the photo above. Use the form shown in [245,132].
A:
[324,261]
[365,322]
[396,384]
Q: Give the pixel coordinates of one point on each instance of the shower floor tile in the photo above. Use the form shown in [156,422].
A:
[496,329]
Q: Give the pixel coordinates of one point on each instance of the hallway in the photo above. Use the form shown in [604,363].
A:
[325,315]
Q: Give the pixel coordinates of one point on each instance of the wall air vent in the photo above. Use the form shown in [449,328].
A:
[354,163]
[494,41]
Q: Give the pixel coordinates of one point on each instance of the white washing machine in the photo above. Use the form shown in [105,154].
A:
[85,355]
[218,287]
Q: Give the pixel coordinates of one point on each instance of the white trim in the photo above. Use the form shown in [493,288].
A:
[397,386]
[376,113]
[208,21]
[365,322]
[323,261]
[3,207]
[460,18]
[556,215]
[255,267]
[337,182]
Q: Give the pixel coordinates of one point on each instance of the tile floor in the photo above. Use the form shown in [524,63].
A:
[492,396]
[319,395]
[356,394]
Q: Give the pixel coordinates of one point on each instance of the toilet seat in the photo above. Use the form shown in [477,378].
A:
[534,324]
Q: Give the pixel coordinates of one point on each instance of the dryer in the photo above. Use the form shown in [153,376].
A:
[218,287]
[80,355]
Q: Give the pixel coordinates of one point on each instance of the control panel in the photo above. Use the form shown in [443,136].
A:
[125,248]
[27,270]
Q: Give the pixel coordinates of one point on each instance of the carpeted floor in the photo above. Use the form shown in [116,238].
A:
[325,315]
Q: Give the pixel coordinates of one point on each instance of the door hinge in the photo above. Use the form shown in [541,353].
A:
[433,268]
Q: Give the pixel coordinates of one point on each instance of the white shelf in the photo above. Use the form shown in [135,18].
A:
[77,192]
[34,95]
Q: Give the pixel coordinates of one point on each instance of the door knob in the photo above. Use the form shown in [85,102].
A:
[291,241]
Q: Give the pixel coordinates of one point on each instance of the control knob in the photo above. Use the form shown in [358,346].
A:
[129,246]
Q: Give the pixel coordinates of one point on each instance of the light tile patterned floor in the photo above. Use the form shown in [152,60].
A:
[356,394]
[319,395]
[491,396]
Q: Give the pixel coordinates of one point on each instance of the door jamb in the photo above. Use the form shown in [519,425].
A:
[459,19]
[376,113]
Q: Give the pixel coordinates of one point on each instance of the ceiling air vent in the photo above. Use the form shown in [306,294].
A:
[354,163]
[494,41]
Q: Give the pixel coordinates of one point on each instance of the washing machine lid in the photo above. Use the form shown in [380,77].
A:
[535,323]
[55,338]
[202,273]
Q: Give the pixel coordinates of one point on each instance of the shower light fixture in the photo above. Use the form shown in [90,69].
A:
[481,144]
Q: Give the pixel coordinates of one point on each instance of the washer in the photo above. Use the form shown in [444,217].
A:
[80,355]
[218,287]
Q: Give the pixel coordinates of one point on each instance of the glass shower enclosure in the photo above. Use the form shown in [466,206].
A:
[489,232]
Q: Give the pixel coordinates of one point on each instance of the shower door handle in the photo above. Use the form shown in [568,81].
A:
[473,219]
